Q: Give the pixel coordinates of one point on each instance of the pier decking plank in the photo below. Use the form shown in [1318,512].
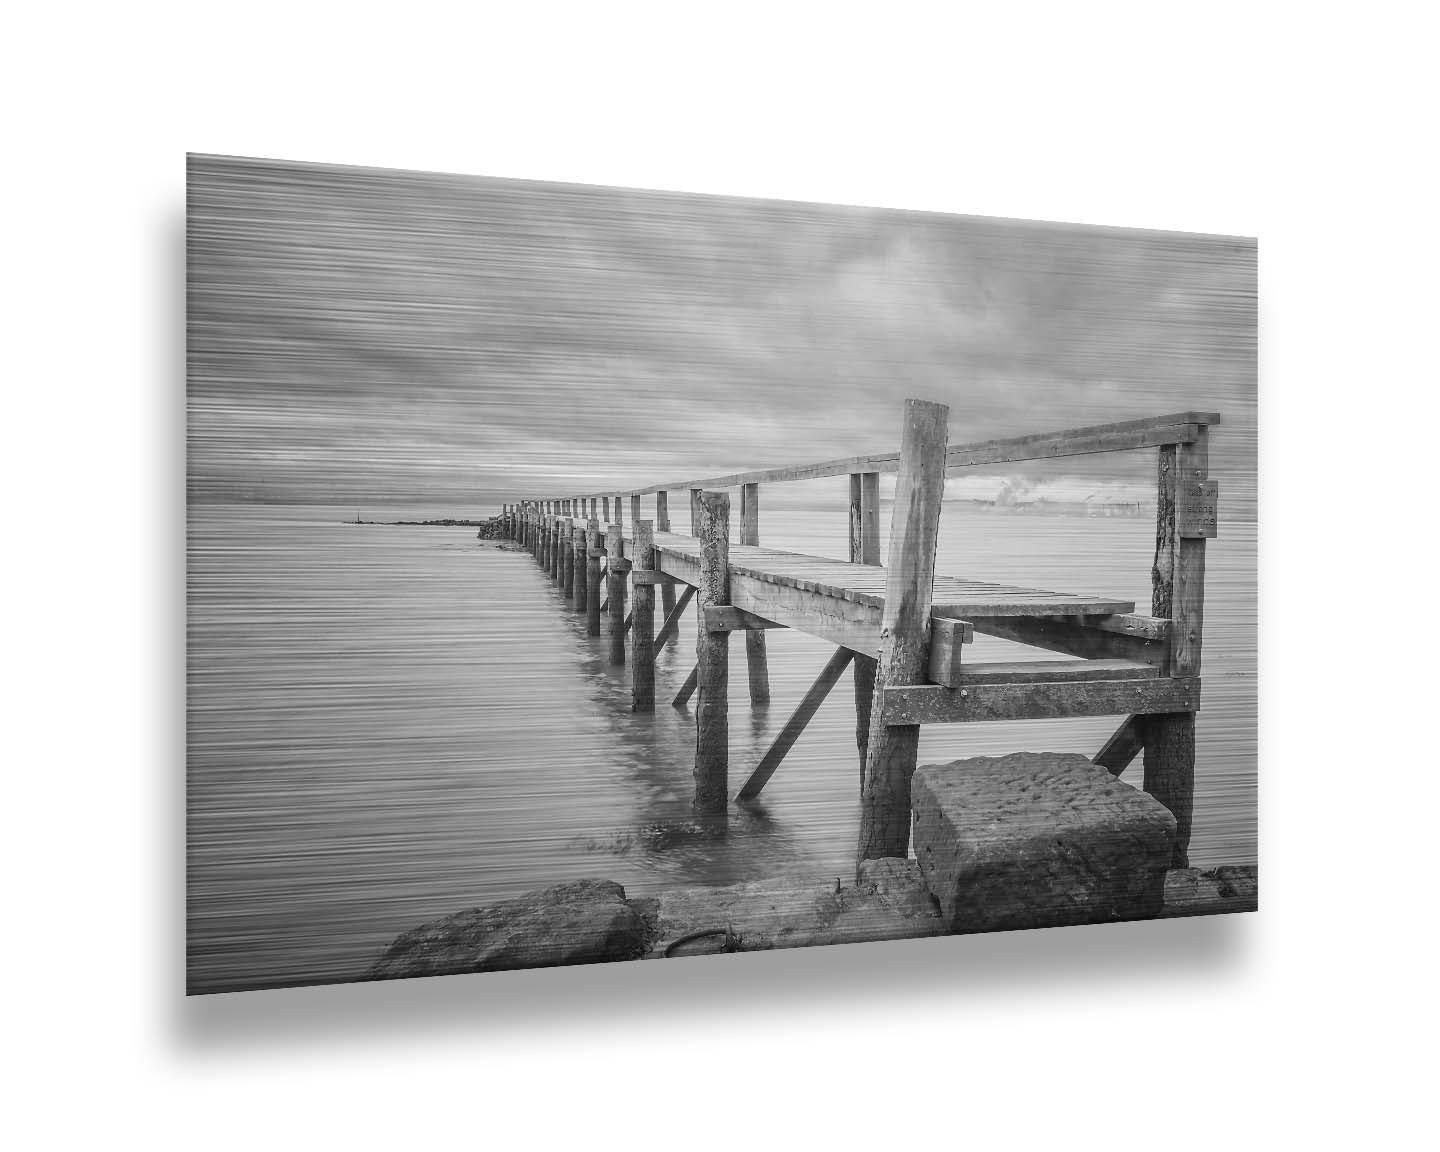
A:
[953,596]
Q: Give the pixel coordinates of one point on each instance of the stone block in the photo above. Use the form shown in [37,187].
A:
[1038,839]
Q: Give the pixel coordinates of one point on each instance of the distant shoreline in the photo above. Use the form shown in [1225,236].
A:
[425,523]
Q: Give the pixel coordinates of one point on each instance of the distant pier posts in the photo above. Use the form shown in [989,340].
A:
[593,553]
[642,618]
[615,552]
[904,627]
[864,549]
[1178,593]
[712,657]
[756,664]
[662,524]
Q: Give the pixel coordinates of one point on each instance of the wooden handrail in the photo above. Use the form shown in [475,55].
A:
[1176,428]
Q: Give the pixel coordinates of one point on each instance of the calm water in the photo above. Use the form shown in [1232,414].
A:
[387,724]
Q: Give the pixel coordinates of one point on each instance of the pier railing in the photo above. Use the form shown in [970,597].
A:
[901,627]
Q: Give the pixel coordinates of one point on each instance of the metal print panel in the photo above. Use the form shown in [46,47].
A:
[585,574]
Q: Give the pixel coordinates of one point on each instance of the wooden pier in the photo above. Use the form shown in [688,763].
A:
[902,627]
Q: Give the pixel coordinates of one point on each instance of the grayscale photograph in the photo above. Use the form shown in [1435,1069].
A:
[582,574]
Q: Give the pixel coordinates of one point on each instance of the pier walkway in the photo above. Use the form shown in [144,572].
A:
[902,626]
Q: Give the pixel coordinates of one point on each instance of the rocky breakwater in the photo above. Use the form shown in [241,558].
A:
[1031,840]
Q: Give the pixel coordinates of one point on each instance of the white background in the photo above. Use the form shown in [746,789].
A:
[1311,1023]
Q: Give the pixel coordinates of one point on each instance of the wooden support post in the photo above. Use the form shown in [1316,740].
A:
[662,524]
[580,587]
[615,550]
[695,511]
[864,549]
[672,618]
[712,659]
[1177,592]
[607,510]
[567,559]
[796,724]
[756,663]
[905,627]
[634,510]
[592,578]
[620,512]
[687,689]
[642,616]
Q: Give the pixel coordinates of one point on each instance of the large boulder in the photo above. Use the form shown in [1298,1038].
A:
[585,922]
[1038,839]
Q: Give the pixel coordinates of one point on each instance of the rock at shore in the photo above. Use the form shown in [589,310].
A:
[585,922]
[1038,839]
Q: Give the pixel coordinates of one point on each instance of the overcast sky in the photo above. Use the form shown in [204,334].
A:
[360,335]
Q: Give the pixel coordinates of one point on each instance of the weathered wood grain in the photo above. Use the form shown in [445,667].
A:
[947,640]
[905,627]
[932,704]
[756,662]
[615,601]
[592,578]
[864,549]
[642,619]
[712,658]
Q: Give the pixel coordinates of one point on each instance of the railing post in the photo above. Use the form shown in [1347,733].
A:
[712,658]
[864,549]
[662,524]
[642,619]
[756,664]
[1177,593]
[615,548]
[904,627]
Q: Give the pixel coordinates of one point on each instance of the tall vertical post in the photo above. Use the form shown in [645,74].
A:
[581,563]
[592,578]
[662,524]
[642,619]
[615,548]
[1177,593]
[620,512]
[695,511]
[712,658]
[634,509]
[572,530]
[607,510]
[864,549]
[756,665]
[904,627]
[555,568]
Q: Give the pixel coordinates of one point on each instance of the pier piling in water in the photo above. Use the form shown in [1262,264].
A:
[712,657]
[615,559]
[642,615]
[756,665]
